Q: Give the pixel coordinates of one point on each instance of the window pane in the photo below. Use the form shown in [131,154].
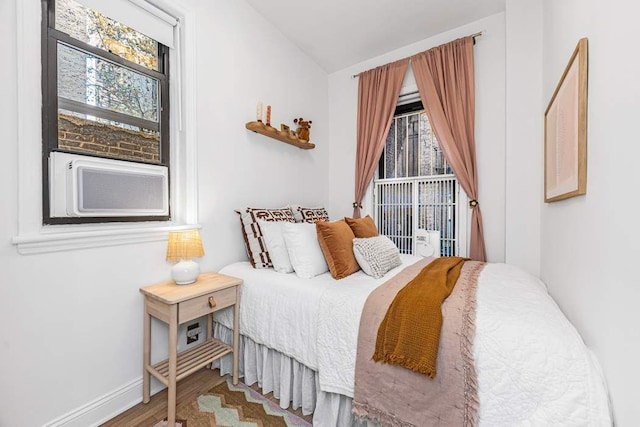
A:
[426,158]
[97,30]
[412,144]
[411,149]
[439,163]
[85,78]
[84,134]
[390,152]
[401,153]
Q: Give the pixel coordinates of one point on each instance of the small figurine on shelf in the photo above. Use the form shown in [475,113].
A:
[302,132]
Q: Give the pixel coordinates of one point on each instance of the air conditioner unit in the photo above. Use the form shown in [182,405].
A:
[427,243]
[83,186]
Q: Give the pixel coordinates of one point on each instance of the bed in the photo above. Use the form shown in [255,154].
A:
[299,339]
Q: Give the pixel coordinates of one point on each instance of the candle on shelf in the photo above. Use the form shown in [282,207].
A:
[268,123]
[260,111]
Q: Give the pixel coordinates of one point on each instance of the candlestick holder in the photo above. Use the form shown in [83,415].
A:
[259,112]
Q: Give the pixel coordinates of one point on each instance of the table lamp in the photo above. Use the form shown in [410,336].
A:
[182,247]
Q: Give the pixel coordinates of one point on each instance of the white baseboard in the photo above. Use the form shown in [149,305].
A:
[105,407]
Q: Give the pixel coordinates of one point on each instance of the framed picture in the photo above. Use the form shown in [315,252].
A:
[565,131]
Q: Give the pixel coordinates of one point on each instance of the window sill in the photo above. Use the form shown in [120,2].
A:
[64,238]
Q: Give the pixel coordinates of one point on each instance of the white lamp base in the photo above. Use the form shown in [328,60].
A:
[185,272]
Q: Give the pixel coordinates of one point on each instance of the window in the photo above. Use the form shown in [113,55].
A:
[105,95]
[415,187]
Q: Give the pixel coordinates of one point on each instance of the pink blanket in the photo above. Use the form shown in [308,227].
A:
[396,396]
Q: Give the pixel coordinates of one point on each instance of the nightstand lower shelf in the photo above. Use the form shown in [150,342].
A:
[191,360]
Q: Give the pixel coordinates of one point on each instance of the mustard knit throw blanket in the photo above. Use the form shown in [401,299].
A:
[409,334]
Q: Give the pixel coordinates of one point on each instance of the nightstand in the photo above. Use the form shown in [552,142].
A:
[177,304]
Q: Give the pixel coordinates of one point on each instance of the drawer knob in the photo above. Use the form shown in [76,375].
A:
[212,302]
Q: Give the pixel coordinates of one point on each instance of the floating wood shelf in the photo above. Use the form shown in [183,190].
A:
[274,133]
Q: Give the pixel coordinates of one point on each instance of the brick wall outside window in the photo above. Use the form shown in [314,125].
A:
[90,137]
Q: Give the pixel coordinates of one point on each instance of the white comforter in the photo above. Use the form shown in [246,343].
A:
[532,366]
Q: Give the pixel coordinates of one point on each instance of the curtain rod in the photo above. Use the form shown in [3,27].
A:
[474,35]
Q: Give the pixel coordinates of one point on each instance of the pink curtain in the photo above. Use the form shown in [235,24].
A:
[445,79]
[378,92]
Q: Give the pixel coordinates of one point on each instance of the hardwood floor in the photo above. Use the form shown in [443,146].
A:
[146,415]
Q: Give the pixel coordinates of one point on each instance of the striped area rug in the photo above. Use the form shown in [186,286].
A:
[234,406]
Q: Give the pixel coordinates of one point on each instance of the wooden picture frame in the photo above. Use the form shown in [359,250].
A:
[565,131]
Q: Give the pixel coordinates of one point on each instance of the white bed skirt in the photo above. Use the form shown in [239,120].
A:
[290,381]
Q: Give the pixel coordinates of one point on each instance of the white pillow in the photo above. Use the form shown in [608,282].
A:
[376,255]
[304,250]
[272,234]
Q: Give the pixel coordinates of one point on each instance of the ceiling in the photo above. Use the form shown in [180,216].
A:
[340,33]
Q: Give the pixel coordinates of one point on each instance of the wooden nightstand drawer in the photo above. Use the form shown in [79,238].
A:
[205,304]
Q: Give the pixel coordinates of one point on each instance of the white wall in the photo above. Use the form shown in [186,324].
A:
[589,243]
[490,124]
[245,60]
[71,322]
[524,132]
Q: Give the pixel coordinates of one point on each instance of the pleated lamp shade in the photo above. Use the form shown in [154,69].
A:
[182,247]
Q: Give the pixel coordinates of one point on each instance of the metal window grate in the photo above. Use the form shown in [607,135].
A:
[406,204]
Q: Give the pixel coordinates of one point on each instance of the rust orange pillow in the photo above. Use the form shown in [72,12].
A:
[363,227]
[336,241]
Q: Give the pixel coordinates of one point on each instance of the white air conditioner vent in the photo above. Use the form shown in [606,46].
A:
[83,186]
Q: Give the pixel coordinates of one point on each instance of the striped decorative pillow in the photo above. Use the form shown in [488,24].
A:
[253,237]
[312,215]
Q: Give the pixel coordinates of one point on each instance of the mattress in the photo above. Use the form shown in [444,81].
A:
[531,363]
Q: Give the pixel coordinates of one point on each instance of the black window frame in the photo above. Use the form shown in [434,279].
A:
[50,38]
